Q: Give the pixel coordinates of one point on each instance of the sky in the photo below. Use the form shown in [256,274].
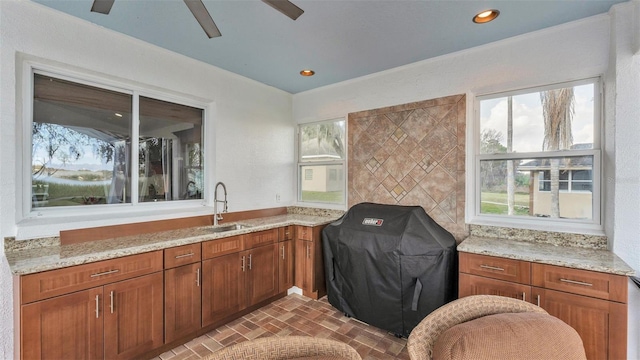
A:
[528,123]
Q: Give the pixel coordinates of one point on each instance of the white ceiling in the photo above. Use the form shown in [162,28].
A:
[339,39]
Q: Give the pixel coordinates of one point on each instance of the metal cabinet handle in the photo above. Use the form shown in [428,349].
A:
[308,252]
[286,233]
[105,273]
[538,300]
[576,282]
[491,267]
[242,264]
[97,306]
[183,255]
[282,252]
[198,277]
[524,296]
[249,261]
[111,297]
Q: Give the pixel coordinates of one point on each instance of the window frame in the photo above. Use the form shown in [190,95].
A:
[592,226]
[301,164]
[28,216]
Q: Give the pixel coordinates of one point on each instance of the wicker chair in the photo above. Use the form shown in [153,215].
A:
[288,347]
[493,327]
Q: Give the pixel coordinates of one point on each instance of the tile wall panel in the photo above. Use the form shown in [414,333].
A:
[411,154]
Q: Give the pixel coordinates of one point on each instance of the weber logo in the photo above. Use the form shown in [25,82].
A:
[372,222]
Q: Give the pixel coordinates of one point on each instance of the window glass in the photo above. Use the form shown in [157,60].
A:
[322,154]
[532,188]
[528,121]
[80,144]
[539,183]
[170,158]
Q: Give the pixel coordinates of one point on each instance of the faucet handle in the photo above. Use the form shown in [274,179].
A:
[219,217]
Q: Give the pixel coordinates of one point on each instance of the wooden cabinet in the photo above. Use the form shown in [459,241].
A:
[222,288]
[182,294]
[133,320]
[65,327]
[593,303]
[232,279]
[285,259]
[309,269]
[285,265]
[118,319]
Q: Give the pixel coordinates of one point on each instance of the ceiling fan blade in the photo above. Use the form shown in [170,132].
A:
[102,6]
[286,7]
[204,19]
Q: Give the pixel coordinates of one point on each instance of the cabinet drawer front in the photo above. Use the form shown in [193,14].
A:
[584,282]
[304,233]
[62,281]
[496,267]
[477,285]
[261,238]
[285,233]
[181,255]
[224,246]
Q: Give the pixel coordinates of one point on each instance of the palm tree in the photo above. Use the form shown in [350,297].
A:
[557,110]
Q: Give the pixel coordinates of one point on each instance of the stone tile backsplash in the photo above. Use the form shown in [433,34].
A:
[412,154]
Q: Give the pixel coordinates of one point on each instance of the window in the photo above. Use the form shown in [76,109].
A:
[321,162]
[538,157]
[89,148]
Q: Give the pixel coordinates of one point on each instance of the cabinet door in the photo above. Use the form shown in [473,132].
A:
[262,270]
[478,285]
[304,265]
[182,301]
[285,265]
[65,327]
[223,283]
[600,323]
[133,321]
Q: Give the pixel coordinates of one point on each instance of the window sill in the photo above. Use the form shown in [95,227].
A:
[47,225]
[540,225]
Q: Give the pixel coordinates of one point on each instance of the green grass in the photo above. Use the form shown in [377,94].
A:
[69,195]
[335,197]
[496,203]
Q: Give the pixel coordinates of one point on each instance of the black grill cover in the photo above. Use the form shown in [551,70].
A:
[389,265]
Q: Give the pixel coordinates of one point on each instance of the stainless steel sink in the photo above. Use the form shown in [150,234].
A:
[230,227]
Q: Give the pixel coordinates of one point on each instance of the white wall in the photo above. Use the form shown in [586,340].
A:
[254,132]
[622,133]
[567,52]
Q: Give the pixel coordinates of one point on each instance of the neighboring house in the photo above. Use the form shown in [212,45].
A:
[576,186]
[323,178]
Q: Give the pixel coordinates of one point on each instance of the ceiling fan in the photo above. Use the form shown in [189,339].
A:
[203,17]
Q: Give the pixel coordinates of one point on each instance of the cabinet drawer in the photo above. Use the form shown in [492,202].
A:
[304,233]
[478,285]
[63,281]
[260,238]
[181,255]
[497,268]
[222,246]
[583,282]
[285,233]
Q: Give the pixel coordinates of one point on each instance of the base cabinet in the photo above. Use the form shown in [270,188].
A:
[117,321]
[222,288]
[66,327]
[285,265]
[309,268]
[593,303]
[133,320]
[182,301]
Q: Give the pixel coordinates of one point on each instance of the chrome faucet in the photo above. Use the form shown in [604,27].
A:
[218,216]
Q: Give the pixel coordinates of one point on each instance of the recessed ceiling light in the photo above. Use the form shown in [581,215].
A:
[307,72]
[486,16]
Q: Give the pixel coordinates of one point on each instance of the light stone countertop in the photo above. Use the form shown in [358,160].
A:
[572,257]
[31,256]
